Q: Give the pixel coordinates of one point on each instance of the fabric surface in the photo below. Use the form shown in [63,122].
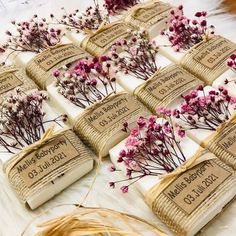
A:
[14,217]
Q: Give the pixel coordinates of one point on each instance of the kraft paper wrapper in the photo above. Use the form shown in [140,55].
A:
[172,214]
[41,67]
[223,142]
[147,14]
[179,82]
[101,40]
[96,136]
[207,63]
[21,184]
[12,77]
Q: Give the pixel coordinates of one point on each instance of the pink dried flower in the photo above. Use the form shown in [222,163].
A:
[138,56]
[231,63]
[86,82]
[183,33]
[152,151]
[116,6]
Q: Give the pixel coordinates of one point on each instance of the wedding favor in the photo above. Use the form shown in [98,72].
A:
[41,155]
[142,71]
[185,186]
[151,16]
[12,77]
[192,43]
[208,116]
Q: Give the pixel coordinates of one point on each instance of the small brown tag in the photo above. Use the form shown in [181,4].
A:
[51,57]
[111,112]
[192,187]
[164,83]
[215,52]
[228,141]
[110,34]
[8,81]
[145,14]
[46,159]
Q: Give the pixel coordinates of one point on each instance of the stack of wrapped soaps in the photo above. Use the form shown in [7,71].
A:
[107,77]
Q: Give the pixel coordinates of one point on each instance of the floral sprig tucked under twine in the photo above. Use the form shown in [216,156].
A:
[152,149]
[202,110]
[183,33]
[78,21]
[34,35]
[87,82]
[22,119]
[114,7]
[138,57]
[231,63]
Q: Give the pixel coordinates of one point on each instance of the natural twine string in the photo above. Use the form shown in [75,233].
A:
[169,213]
[131,18]
[24,192]
[94,49]
[42,77]
[151,101]
[203,72]
[212,142]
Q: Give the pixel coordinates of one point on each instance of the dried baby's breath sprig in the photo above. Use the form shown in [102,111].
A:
[152,149]
[34,35]
[138,56]
[79,21]
[117,6]
[203,110]
[87,82]
[183,33]
[231,63]
[22,119]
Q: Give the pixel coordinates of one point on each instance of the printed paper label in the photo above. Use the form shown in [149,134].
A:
[46,159]
[107,36]
[191,188]
[8,81]
[228,141]
[50,58]
[147,13]
[165,83]
[112,112]
[216,52]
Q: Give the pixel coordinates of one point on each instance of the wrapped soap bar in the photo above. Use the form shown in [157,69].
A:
[151,16]
[142,71]
[44,158]
[12,77]
[197,49]
[185,186]
[100,41]
[205,114]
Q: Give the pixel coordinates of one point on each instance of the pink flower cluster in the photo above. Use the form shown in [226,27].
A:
[79,21]
[116,6]
[152,148]
[23,119]
[201,110]
[138,56]
[231,63]
[32,36]
[86,82]
[183,33]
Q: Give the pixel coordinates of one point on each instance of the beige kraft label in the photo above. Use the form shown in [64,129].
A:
[166,82]
[228,141]
[112,112]
[8,81]
[109,35]
[216,52]
[147,13]
[46,159]
[50,58]
[191,188]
